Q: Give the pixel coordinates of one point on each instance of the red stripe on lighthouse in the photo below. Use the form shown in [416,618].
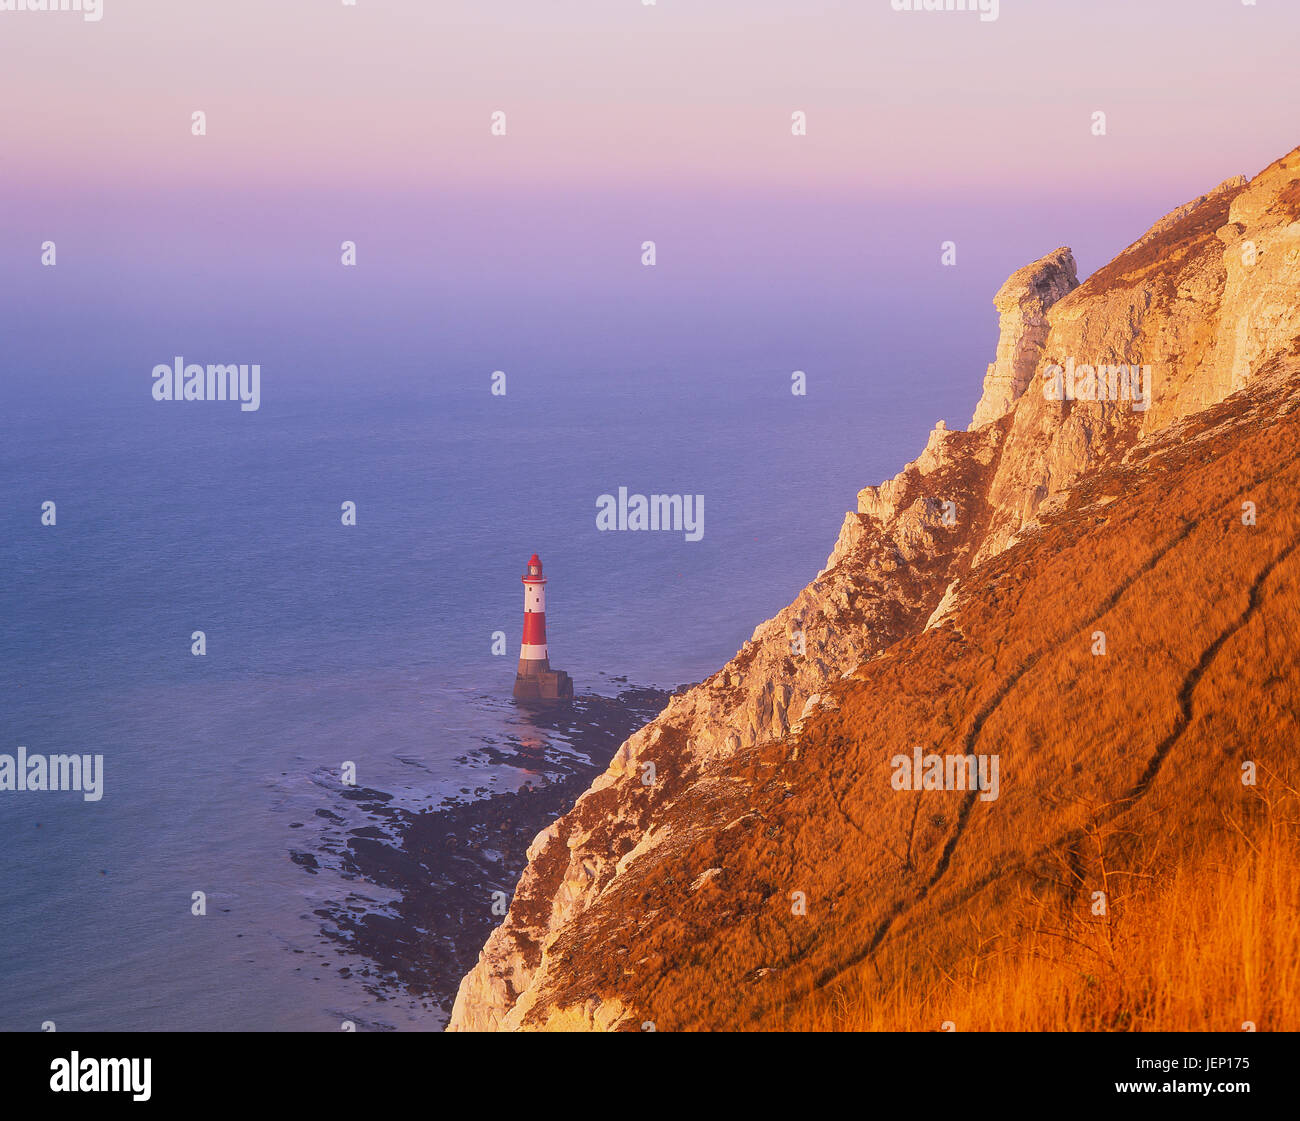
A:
[534,628]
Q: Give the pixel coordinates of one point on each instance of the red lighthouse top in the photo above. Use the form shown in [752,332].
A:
[533,572]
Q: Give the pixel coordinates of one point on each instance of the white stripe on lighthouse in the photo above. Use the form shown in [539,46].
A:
[532,653]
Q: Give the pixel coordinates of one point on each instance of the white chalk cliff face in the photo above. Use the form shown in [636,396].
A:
[1022,304]
[1207,298]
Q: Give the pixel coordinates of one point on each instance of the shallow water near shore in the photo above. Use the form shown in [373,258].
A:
[449,871]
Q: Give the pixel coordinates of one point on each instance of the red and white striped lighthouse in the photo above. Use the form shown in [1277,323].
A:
[532,654]
[535,680]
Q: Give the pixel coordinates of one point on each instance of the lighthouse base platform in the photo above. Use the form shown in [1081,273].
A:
[544,687]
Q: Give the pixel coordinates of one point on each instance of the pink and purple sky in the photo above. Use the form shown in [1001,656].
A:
[396,94]
[626,122]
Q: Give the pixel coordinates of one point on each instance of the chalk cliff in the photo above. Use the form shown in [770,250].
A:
[1208,299]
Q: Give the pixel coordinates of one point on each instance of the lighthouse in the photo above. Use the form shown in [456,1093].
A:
[536,682]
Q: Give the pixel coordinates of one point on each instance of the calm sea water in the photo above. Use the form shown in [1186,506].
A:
[328,643]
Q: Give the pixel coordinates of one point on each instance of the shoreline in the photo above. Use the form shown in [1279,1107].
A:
[446,863]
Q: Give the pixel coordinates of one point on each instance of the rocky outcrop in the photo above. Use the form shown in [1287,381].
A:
[1259,314]
[1206,298]
[1022,303]
[1202,299]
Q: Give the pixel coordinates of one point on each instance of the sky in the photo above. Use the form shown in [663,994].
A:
[625,121]
[389,93]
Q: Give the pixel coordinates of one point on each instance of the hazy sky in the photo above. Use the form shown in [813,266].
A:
[599,91]
[625,122]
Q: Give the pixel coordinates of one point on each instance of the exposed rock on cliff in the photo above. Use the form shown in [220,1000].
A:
[1208,299]
[1022,304]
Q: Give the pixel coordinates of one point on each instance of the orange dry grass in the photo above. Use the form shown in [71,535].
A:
[1211,946]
